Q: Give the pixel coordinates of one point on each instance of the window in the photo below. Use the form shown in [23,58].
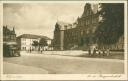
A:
[87,13]
[87,31]
[90,12]
[82,32]
[23,48]
[87,22]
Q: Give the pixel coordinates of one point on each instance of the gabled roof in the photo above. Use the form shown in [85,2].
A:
[31,36]
[90,9]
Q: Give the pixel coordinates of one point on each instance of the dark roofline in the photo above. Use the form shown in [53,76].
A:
[32,36]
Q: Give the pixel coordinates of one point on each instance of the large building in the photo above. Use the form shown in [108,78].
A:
[69,36]
[25,41]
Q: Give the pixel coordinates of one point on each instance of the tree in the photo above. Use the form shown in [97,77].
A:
[35,44]
[111,27]
[43,43]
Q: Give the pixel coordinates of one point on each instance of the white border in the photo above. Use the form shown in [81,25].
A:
[100,1]
[71,76]
[1,40]
[126,39]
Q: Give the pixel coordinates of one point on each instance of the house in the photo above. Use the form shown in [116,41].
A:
[25,41]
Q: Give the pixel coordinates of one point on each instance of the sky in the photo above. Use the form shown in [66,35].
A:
[39,18]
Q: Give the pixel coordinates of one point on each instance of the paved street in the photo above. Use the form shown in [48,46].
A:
[12,68]
[55,64]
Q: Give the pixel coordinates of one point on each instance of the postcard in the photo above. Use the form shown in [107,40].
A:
[63,40]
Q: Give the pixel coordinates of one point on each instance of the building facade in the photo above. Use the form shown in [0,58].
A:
[80,33]
[61,33]
[25,41]
[69,36]
[8,35]
[9,42]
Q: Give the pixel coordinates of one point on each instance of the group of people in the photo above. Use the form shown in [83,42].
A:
[100,51]
[40,50]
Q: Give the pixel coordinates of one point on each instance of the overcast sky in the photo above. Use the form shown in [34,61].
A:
[40,18]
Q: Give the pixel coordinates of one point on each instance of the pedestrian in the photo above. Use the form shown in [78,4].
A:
[30,50]
[41,50]
[108,51]
[90,50]
[99,51]
[94,50]
[103,51]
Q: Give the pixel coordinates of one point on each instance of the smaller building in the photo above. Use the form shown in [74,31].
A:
[8,35]
[25,42]
[9,42]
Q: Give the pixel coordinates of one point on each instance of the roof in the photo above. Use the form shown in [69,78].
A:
[65,25]
[31,36]
[62,23]
[7,31]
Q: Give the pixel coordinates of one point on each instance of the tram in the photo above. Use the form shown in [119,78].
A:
[10,49]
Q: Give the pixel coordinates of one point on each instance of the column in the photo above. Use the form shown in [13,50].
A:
[62,40]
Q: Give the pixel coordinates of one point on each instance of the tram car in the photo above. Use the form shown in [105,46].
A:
[11,49]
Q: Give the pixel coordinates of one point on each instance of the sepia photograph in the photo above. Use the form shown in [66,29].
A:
[64,38]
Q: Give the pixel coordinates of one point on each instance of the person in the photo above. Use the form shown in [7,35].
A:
[103,51]
[99,50]
[108,51]
[89,51]
[41,50]
[30,50]
[94,50]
